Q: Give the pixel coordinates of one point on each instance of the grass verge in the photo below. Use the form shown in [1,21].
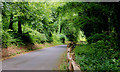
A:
[63,64]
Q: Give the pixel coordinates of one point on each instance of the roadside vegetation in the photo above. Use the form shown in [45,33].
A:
[96,24]
[64,65]
[95,57]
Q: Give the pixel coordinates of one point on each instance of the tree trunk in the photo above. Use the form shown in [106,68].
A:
[117,26]
[11,22]
[19,25]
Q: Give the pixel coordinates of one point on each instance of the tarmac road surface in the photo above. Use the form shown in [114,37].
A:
[44,59]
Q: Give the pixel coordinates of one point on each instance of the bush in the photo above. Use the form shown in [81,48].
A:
[63,38]
[97,56]
[55,38]
[58,38]
[10,37]
[6,39]
[35,36]
[96,37]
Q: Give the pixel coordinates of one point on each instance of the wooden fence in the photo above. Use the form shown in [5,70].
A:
[73,66]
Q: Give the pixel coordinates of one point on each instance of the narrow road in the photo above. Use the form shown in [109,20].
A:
[44,59]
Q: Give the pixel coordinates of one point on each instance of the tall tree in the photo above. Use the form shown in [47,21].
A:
[11,22]
[19,25]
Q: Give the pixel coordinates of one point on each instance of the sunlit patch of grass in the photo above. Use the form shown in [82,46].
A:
[39,48]
[58,43]
[47,45]
[17,52]
[13,54]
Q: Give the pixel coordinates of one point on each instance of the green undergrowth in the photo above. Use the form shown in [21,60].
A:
[97,56]
[29,36]
[58,38]
[64,64]
[10,37]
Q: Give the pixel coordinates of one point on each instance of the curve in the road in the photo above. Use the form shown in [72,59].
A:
[44,59]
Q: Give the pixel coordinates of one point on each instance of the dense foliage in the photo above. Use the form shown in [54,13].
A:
[96,23]
[97,57]
[99,22]
[29,23]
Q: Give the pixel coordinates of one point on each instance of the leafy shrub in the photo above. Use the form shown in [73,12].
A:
[10,37]
[55,38]
[63,38]
[96,37]
[35,36]
[58,38]
[97,56]
[6,39]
